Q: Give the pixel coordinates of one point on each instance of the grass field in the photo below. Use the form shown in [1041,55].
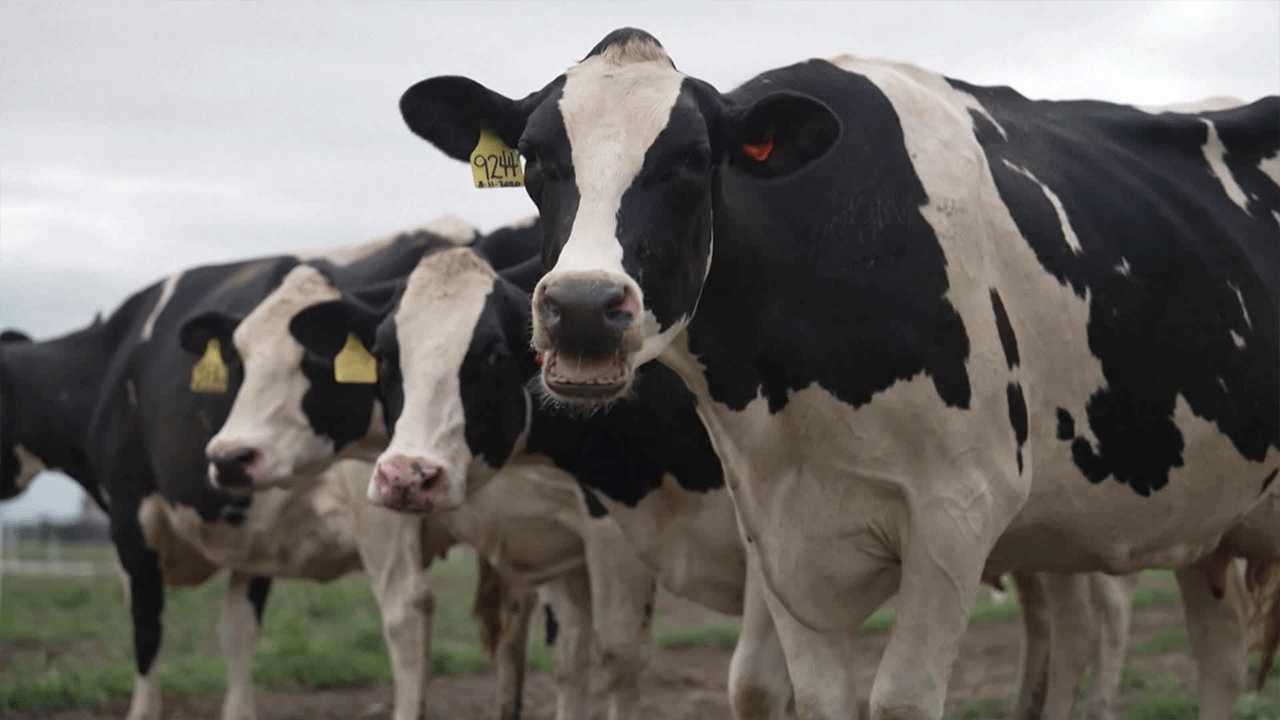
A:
[65,642]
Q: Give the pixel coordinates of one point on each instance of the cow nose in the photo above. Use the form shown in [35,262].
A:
[233,466]
[408,484]
[585,317]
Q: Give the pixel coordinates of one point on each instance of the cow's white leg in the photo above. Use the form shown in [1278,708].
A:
[1113,611]
[622,595]
[1216,629]
[1036,628]
[1072,638]
[238,634]
[759,682]
[515,606]
[818,661]
[942,557]
[569,597]
[392,552]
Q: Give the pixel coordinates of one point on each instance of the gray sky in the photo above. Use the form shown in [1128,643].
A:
[141,138]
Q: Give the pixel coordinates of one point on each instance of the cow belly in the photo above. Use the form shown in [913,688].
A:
[690,541]
[300,533]
[528,522]
[1070,524]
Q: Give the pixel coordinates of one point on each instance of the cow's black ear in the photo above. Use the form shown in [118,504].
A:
[780,134]
[198,330]
[322,328]
[450,111]
[14,336]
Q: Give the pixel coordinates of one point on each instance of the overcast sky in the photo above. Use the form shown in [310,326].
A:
[138,139]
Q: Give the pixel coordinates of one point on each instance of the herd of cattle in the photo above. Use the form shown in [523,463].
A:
[910,334]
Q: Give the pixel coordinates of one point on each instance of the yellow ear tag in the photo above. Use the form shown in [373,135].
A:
[209,375]
[353,364]
[493,164]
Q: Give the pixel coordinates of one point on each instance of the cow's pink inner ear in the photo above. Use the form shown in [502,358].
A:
[759,151]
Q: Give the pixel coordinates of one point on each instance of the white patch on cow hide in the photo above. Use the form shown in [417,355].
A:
[1243,310]
[1215,153]
[1122,267]
[1271,167]
[1067,232]
[166,293]
[452,228]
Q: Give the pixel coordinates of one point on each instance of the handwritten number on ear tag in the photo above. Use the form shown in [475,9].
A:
[209,374]
[494,164]
[353,364]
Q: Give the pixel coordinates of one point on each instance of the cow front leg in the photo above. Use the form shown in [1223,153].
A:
[821,662]
[506,608]
[759,683]
[238,632]
[1216,630]
[391,548]
[569,598]
[146,605]
[943,552]
[622,595]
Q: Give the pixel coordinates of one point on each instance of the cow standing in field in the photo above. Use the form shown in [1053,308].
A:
[113,406]
[533,527]
[461,331]
[933,329]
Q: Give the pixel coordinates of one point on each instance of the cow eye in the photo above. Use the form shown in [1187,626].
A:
[495,357]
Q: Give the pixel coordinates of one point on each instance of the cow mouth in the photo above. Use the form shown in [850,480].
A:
[586,378]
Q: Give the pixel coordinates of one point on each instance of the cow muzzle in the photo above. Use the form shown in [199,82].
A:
[585,330]
[408,484]
[233,468]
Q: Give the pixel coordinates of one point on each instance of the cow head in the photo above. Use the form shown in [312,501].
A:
[18,466]
[624,159]
[453,360]
[290,416]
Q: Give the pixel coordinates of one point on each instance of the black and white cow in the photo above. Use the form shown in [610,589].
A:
[454,360]
[931,327]
[292,413]
[112,406]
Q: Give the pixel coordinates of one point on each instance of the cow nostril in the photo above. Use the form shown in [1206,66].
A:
[425,475]
[236,459]
[548,311]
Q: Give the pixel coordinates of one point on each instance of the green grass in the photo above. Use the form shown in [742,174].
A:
[67,641]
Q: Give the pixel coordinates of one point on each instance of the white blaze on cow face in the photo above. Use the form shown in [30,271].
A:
[614,105]
[425,465]
[267,415]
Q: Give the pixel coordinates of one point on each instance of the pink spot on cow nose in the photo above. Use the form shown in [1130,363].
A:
[409,484]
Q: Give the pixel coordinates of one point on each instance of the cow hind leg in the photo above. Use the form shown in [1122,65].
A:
[1216,630]
[759,683]
[238,632]
[1072,638]
[1113,607]
[1036,627]
[146,604]
[569,597]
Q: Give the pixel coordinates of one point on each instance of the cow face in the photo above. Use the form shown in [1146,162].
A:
[289,416]
[453,361]
[18,466]
[624,159]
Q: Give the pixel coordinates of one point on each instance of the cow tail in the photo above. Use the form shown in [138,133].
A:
[490,594]
[1264,626]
